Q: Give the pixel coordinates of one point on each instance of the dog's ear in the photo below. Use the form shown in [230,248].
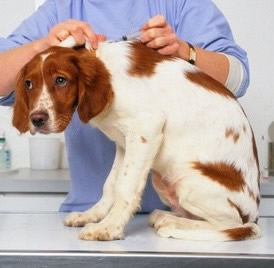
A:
[95,92]
[20,118]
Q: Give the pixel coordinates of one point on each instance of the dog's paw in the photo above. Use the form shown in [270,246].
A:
[165,232]
[101,232]
[79,219]
[155,216]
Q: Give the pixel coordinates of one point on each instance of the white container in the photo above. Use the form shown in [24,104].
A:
[45,153]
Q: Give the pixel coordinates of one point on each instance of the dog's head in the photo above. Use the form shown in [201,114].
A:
[54,84]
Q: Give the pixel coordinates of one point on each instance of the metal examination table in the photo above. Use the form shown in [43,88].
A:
[41,240]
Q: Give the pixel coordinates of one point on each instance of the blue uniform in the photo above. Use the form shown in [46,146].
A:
[90,153]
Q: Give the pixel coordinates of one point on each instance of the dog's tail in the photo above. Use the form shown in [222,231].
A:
[244,232]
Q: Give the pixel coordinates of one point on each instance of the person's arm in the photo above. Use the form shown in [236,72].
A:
[214,64]
[158,34]
[37,33]
[13,60]
[204,26]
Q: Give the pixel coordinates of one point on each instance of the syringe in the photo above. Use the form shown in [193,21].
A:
[131,36]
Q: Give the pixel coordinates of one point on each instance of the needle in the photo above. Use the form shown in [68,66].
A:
[131,36]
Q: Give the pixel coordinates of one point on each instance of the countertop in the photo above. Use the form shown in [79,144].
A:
[57,181]
[26,180]
[44,190]
[41,240]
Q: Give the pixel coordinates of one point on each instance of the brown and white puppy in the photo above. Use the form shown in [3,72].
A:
[164,115]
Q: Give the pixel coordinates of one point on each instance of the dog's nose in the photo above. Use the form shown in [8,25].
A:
[39,119]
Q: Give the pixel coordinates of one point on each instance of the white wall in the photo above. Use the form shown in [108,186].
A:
[12,12]
[252,22]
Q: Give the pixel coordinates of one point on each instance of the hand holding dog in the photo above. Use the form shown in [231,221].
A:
[81,31]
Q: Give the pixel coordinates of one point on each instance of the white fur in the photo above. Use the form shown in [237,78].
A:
[44,102]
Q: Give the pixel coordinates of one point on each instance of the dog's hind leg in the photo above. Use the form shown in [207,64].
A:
[168,225]
[219,222]
[208,213]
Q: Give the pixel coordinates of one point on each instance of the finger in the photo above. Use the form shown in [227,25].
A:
[101,37]
[157,21]
[171,49]
[53,41]
[162,41]
[90,35]
[78,36]
[62,34]
[151,34]
[74,26]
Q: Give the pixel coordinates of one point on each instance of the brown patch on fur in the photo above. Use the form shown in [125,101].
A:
[26,98]
[225,174]
[143,60]
[95,90]
[209,83]
[143,140]
[245,218]
[231,133]
[88,86]
[255,153]
[258,199]
[240,233]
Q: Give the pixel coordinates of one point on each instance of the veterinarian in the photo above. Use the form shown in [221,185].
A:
[193,30]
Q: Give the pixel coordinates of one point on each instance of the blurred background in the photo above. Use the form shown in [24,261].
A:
[252,24]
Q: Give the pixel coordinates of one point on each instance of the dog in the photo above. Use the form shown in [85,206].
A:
[164,115]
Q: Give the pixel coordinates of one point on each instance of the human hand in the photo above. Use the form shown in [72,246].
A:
[81,31]
[158,34]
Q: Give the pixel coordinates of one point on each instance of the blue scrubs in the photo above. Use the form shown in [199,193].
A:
[90,153]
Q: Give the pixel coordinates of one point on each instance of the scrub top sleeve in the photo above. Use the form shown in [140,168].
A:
[8,100]
[203,24]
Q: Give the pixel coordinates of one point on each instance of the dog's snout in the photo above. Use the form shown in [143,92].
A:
[39,119]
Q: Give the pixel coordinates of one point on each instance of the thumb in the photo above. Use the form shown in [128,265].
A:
[101,37]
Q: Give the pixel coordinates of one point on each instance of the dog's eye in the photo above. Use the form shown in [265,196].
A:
[61,81]
[28,84]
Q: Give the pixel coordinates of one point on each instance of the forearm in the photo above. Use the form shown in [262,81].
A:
[12,61]
[214,64]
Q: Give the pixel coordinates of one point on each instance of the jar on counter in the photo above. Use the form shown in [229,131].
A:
[5,153]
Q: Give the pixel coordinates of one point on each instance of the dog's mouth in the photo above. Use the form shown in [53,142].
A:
[42,130]
[42,122]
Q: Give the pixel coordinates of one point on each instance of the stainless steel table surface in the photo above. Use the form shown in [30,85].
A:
[41,240]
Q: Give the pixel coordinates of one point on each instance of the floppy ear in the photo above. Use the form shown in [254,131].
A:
[95,91]
[20,118]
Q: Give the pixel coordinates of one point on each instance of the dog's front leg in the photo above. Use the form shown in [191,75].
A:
[100,209]
[141,147]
